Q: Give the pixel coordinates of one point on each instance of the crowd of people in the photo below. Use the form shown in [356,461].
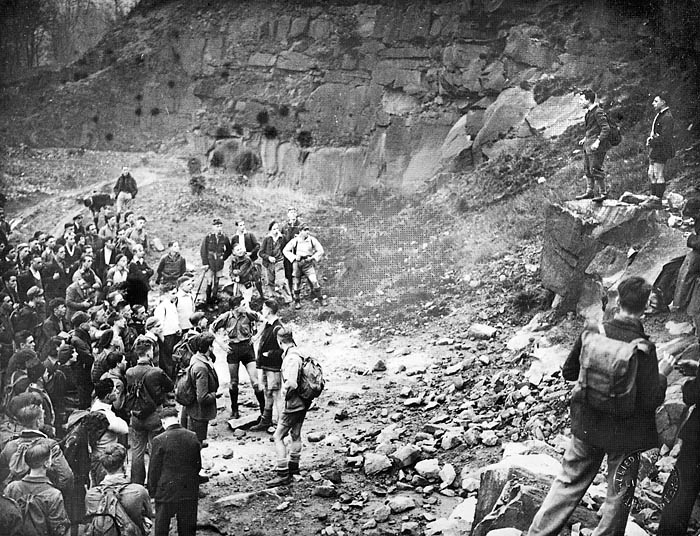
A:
[92,367]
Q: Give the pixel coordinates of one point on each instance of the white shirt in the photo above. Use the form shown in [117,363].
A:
[166,313]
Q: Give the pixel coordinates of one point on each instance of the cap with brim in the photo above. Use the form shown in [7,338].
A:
[196,317]
[34,292]
[217,221]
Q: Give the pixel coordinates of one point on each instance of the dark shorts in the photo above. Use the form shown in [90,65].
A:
[240,353]
[291,423]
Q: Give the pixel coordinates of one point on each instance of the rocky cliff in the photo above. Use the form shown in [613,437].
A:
[334,97]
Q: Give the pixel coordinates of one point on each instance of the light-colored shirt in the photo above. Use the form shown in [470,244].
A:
[166,313]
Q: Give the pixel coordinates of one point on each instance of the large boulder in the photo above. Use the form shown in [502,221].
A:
[456,141]
[525,44]
[512,491]
[555,115]
[507,111]
[589,247]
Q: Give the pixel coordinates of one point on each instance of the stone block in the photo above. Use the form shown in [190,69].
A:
[376,463]
[260,59]
[525,45]
[508,110]
[462,55]
[295,61]
[401,503]
[429,469]
[298,27]
[320,29]
[282,24]
[555,115]
[407,455]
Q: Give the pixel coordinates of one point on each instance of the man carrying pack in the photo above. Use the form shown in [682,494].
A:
[45,511]
[620,433]
[133,512]
[146,387]
[292,418]
[304,251]
[125,191]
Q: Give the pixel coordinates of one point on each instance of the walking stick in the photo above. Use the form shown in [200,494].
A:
[204,273]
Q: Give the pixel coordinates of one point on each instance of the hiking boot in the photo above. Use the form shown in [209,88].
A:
[282,479]
[293,468]
[587,195]
[264,424]
[600,198]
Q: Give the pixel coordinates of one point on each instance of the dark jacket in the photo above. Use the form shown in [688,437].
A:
[55,288]
[77,299]
[214,251]
[206,382]
[170,268]
[290,230]
[126,183]
[604,430]
[173,470]
[272,248]
[597,128]
[102,266]
[661,146]
[249,242]
[51,327]
[242,270]
[137,283]
[269,355]
[691,395]
[156,381]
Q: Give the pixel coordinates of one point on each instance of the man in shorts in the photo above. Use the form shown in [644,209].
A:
[269,360]
[239,324]
[292,417]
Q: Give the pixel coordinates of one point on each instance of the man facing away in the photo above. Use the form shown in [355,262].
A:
[596,433]
[292,417]
[595,146]
[173,476]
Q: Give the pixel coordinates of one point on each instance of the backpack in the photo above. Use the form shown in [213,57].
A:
[9,392]
[111,519]
[138,399]
[311,382]
[84,430]
[608,373]
[615,135]
[182,352]
[33,516]
[185,392]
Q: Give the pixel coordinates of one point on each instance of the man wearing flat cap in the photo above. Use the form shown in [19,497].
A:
[215,249]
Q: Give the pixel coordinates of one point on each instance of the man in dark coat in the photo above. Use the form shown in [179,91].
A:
[596,433]
[173,476]
[137,280]
[215,249]
[595,145]
[125,191]
[660,144]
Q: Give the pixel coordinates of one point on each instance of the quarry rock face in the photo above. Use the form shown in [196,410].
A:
[396,92]
[589,248]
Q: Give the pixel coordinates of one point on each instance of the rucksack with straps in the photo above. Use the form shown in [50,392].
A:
[183,352]
[110,519]
[615,135]
[33,516]
[11,388]
[139,400]
[85,428]
[185,392]
[608,372]
[310,382]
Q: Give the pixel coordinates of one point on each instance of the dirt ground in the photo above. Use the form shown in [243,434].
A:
[417,330]
[357,403]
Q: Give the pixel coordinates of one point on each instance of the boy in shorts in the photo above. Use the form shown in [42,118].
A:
[292,418]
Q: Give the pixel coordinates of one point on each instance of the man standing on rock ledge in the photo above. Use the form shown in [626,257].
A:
[660,144]
[596,433]
[595,146]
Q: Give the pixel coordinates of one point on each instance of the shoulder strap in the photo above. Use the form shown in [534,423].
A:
[601,329]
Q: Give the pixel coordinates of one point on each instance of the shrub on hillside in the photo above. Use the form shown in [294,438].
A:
[246,162]
[197,185]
